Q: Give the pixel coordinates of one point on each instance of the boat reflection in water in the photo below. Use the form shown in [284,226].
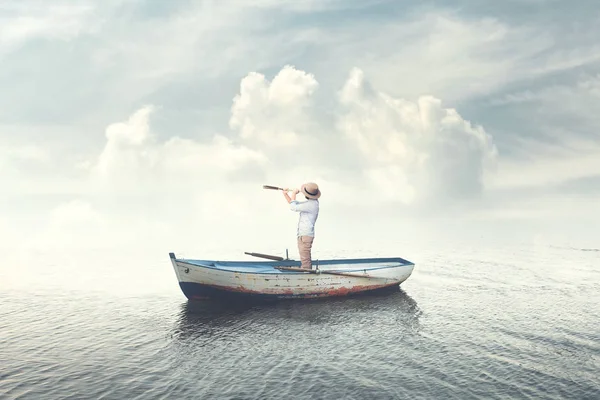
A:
[205,321]
[326,348]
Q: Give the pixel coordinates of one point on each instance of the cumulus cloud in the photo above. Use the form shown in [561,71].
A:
[405,151]
[133,155]
[128,147]
[414,151]
[369,143]
[274,113]
[153,185]
[371,149]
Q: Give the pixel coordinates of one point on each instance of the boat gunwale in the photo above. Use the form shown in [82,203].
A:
[328,261]
[275,264]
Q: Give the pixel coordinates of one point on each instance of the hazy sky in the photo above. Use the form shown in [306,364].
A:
[154,124]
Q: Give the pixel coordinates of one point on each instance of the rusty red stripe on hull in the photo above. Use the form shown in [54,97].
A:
[197,291]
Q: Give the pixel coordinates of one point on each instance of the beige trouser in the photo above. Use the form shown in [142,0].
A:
[304,248]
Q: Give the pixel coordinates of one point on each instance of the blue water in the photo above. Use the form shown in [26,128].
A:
[521,321]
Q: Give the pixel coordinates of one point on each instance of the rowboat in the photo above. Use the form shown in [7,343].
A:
[282,278]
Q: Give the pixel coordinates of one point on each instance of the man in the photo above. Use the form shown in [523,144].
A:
[309,211]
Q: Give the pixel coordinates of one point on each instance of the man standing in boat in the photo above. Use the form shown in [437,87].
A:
[309,211]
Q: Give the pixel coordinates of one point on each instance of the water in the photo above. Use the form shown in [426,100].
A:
[518,321]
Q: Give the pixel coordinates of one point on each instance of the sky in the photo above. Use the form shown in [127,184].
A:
[151,126]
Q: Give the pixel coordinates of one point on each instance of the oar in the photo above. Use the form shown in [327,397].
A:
[320,271]
[276,258]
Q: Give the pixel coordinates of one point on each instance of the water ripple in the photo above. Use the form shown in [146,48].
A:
[483,323]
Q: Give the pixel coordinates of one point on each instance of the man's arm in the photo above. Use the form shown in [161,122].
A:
[300,206]
[287,197]
[297,205]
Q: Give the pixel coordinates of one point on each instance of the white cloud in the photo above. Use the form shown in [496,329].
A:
[71,224]
[393,149]
[438,51]
[581,92]
[399,141]
[276,113]
[18,160]
[124,151]
[22,22]
[133,156]
[22,153]
[411,152]
[398,150]
[541,171]
[455,55]
[416,151]
[551,152]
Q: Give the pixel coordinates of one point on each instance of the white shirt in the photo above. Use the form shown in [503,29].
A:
[309,211]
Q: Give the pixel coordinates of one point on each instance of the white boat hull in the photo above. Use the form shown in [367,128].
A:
[210,279]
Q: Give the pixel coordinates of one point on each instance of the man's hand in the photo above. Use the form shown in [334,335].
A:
[287,197]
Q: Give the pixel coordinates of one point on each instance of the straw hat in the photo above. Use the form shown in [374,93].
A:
[310,190]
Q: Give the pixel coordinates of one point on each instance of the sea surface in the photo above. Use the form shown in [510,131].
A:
[519,321]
